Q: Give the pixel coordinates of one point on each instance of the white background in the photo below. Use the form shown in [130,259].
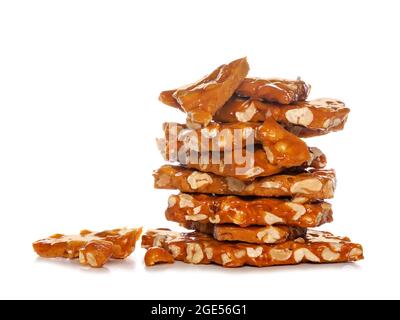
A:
[79,82]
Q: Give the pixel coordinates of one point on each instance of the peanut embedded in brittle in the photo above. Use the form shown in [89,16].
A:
[96,253]
[156,255]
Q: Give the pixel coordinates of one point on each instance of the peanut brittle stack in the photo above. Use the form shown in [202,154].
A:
[251,190]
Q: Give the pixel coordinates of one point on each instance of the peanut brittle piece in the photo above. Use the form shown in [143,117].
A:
[261,235]
[200,248]
[254,164]
[274,90]
[243,164]
[214,137]
[308,185]
[281,147]
[92,248]
[319,116]
[203,98]
[244,212]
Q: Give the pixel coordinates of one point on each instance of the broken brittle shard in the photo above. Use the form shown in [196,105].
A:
[157,255]
[203,98]
[92,248]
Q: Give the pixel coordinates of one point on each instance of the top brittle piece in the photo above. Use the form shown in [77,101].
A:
[92,248]
[272,90]
[304,119]
[203,98]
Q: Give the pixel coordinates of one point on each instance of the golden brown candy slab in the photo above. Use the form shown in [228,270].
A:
[214,137]
[203,98]
[230,164]
[199,248]
[281,147]
[243,164]
[254,234]
[92,248]
[245,212]
[274,90]
[310,184]
[319,116]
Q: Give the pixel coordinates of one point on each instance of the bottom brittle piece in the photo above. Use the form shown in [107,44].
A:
[92,248]
[199,248]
